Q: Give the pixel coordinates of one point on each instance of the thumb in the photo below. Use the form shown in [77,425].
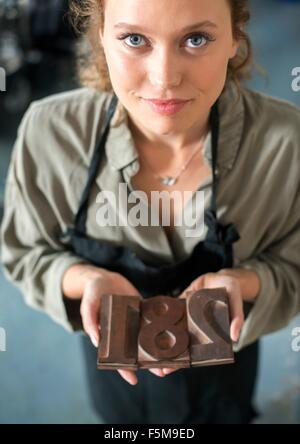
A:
[130,289]
[235,328]
[197,284]
[90,314]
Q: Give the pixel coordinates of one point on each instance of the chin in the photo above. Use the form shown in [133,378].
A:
[166,130]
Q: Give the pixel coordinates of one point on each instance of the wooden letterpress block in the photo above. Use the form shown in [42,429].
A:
[165,332]
[209,327]
[119,323]
[163,338]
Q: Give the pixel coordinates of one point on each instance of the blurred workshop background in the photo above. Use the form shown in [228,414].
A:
[42,380]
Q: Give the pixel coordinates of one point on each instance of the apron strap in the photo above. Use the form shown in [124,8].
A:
[81,216]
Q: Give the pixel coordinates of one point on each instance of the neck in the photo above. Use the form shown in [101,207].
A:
[175,143]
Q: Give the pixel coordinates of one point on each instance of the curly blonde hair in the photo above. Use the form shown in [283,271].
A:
[87,17]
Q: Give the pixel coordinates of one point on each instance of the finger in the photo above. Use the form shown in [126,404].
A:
[156,371]
[235,328]
[90,321]
[129,376]
[237,315]
[186,292]
[132,291]
[128,287]
[197,284]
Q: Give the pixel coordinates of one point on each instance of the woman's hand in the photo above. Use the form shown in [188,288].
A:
[234,290]
[98,283]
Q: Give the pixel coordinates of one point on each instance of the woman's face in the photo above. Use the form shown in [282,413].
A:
[156,56]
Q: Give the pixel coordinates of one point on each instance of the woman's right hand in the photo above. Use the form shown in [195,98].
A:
[99,283]
[89,283]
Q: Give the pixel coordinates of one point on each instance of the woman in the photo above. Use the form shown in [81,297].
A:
[237,147]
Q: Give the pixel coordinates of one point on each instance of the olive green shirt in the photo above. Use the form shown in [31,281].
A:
[258,189]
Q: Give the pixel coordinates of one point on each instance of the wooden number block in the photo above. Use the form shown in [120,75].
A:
[165,332]
[163,338]
[119,327]
[209,327]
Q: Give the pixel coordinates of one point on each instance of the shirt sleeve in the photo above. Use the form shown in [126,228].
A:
[32,256]
[278,268]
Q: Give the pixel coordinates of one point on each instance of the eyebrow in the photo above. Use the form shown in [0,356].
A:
[206,23]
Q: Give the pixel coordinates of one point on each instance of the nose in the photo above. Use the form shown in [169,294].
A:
[164,69]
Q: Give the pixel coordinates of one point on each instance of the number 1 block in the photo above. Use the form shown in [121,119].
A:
[119,327]
[165,332]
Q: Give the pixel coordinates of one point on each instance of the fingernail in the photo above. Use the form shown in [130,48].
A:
[94,341]
[236,340]
[131,382]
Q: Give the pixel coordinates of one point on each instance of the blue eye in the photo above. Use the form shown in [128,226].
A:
[135,39]
[202,40]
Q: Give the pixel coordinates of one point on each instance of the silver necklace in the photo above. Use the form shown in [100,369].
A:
[171,180]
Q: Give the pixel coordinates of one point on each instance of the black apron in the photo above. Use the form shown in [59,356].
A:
[216,394]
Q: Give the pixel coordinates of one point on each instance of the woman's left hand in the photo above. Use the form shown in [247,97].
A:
[233,287]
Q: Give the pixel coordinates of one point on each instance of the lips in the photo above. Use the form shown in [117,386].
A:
[167,107]
[167,102]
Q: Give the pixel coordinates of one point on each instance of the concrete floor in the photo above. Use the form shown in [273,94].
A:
[41,373]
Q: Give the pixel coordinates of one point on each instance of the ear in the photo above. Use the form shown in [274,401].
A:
[101,36]
[234,48]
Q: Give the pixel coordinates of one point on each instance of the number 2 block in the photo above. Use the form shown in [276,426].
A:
[209,326]
[165,332]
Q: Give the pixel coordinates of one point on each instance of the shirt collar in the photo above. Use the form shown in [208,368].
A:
[232,116]
[120,147]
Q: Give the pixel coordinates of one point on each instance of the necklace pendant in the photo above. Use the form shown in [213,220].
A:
[169,181]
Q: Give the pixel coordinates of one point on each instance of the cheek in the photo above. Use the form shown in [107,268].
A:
[124,69]
[211,70]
